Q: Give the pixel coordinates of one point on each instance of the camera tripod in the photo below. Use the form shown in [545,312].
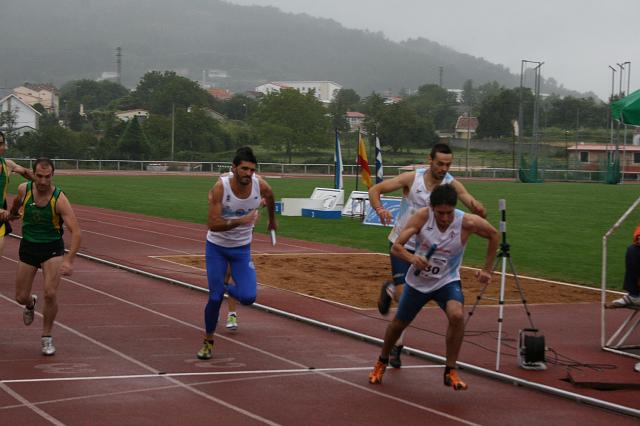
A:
[504,257]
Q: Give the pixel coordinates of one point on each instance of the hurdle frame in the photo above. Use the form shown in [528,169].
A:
[631,322]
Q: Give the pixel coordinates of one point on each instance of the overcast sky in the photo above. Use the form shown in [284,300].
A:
[576,39]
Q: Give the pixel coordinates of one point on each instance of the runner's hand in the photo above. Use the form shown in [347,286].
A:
[66,268]
[483,276]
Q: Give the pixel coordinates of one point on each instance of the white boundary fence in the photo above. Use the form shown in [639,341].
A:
[312,169]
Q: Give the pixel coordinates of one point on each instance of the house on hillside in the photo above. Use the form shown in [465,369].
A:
[24,116]
[44,94]
[355,120]
[220,93]
[140,114]
[466,127]
[325,91]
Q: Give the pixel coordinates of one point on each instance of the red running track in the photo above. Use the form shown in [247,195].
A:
[126,346]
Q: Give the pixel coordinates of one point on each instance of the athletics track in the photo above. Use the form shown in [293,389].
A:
[126,350]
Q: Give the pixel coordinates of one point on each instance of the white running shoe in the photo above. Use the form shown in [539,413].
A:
[47,346]
[232,322]
[29,312]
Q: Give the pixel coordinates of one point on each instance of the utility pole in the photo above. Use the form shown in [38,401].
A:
[119,64]
[173,127]
[441,72]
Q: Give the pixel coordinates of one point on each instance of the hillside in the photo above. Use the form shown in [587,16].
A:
[62,40]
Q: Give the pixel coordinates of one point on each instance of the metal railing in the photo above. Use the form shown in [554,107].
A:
[567,175]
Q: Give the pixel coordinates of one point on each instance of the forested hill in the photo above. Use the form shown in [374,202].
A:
[62,40]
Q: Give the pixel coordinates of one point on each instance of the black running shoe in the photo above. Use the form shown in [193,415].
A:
[394,356]
[384,302]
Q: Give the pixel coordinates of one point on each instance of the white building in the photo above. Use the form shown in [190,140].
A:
[25,117]
[140,114]
[325,91]
[43,94]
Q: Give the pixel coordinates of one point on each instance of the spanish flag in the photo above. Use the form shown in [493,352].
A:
[363,162]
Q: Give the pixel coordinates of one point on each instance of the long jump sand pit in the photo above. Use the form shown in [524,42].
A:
[355,279]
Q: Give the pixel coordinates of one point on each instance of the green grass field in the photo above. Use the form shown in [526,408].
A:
[555,229]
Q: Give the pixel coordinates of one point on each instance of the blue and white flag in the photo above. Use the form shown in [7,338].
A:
[338,183]
[379,172]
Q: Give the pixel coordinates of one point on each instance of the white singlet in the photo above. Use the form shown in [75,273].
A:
[233,207]
[444,266]
[417,198]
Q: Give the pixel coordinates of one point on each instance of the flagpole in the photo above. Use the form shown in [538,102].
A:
[357,163]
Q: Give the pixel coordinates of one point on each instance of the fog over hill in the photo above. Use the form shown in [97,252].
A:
[62,40]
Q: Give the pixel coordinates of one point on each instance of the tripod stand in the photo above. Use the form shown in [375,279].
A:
[503,256]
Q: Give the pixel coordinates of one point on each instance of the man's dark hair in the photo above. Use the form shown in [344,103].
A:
[4,139]
[443,195]
[440,147]
[244,153]
[45,161]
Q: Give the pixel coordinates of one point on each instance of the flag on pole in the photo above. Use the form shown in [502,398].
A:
[379,172]
[337,156]
[365,173]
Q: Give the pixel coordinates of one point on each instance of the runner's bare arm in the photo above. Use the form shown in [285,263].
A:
[18,169]
[474,224]
[403,181]
[267,195]
[64,209]
[215,221]
[14,212]
[413,226]
[475,206]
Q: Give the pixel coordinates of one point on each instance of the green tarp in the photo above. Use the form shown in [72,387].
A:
[627,109]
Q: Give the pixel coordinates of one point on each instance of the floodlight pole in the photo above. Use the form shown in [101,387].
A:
[624,140]
[613,77]
[520,116]
[535,105]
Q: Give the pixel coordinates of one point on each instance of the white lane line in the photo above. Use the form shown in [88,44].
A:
[153,370]
[134,241]
[164,233]
[245,345]
[281,373]
[257,237]
[30,405]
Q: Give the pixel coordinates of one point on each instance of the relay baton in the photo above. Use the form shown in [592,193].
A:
[273,237]
[432,249]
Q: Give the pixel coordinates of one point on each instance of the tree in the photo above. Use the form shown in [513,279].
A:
[402,127]
[239,107]
[497,112]
[133,144]
[157,91]
[345,100]
[291,121]
[91,94]
[469,94]
[435,103]
[373,108]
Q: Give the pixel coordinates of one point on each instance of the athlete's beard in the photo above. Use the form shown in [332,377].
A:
[436,177]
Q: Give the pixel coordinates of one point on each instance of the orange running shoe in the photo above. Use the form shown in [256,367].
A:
[375,376]
[452,379]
